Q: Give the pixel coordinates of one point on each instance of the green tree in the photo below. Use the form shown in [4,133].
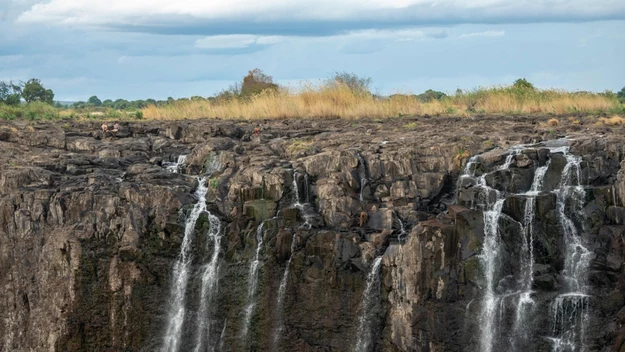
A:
[621,95]
[430,95]
[34,91]
[257,82]
[522,83]
[352,81]
[79,105]
[108,103]
[10,93]
[94,101]
[121,104]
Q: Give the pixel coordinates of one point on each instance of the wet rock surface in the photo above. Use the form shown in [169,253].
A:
[90,226]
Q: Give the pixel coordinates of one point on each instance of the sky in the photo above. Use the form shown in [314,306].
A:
[135,49]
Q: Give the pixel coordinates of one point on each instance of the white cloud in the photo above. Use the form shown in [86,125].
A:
[490,33]
[236,41]
[250,12]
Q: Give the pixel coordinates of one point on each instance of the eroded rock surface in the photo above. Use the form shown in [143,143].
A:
[91,225]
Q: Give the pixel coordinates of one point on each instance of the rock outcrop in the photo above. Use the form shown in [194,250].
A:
[90,226]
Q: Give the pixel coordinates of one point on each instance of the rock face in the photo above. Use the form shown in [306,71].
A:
[91,225]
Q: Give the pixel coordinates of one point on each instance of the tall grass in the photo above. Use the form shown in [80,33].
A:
[339,101]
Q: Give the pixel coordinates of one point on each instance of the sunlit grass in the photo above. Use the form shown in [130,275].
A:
[326,101]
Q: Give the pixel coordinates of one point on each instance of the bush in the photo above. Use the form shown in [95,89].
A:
[621,96]
[352,81]
[430,95]
[523,84]
[257,82]
[10,93]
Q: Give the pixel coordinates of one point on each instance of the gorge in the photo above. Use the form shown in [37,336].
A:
[423,234]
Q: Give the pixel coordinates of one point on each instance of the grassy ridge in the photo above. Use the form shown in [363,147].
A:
[39,110]
[340,101]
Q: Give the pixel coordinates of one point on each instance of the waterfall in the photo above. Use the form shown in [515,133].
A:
[252,282]
[175,166]
[402,229]
[569,310]
[281,293]
[210,280]
[297,202]
[525,301]
[513,153]
[489,260]
[305,207]
[370,301]
[180,274]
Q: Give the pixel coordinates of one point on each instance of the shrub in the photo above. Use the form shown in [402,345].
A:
[351,81]
[522,83]
[257,82]
[621,95]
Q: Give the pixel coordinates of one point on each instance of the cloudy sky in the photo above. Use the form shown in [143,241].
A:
[158,48]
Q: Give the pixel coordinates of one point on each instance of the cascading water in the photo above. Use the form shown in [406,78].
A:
[370,300]
[252,282]
[210,280]
[176,166]
[296,202]
[281,293]
[402,229]
[180,274]
[305,207]
[526,279]
[569,309]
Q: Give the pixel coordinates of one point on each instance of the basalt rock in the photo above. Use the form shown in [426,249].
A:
[91,225]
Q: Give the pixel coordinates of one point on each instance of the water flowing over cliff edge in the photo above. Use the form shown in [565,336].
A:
[429,234]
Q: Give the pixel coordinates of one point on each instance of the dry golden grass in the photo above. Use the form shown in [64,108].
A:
[339,101]
[612,121]
[553,122]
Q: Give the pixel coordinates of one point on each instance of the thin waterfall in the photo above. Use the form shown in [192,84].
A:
[281,292]
[526,280]
[569,310]
[252,282]
[210,280]
[222,336]
[513,153]
[176,166]
[296,202]
[180,274]
[489,259]
[370,301]
[305,207]
[402,229]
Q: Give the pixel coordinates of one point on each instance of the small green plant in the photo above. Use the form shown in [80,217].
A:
[450,110]
[213,183]
[139,115]
[462,154]
[411,125]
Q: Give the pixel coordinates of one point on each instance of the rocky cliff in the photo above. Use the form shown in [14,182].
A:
[91,227]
